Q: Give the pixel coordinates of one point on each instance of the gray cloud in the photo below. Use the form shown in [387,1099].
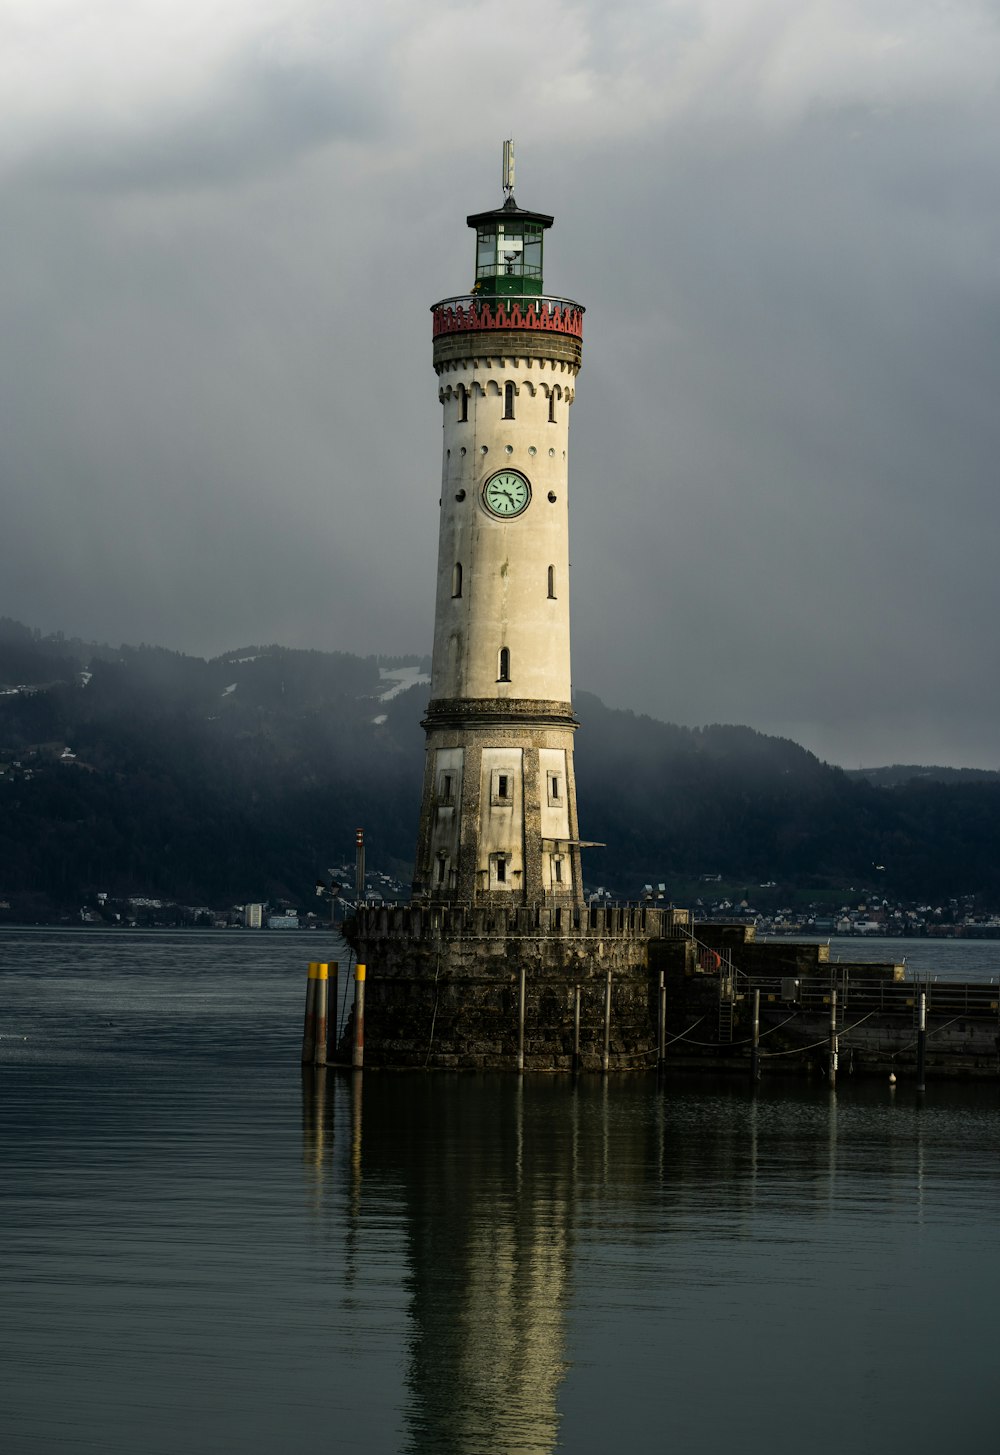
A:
[218,419]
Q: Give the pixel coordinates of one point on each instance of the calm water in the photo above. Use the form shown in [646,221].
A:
[201,1252]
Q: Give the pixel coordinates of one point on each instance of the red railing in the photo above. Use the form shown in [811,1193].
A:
[469,314]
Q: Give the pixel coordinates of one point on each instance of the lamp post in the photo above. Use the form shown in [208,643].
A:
[330,891]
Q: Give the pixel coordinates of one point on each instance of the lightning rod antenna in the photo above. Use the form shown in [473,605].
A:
[508,167]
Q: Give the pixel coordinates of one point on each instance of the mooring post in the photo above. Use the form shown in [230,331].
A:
[322,1006]
[661,1035]
[832,1078]
[921,1041]
[309,1029]
[358,1052]
[520,1020]
[576,1028]
[333,1002]
[606,1053]
[755,1041]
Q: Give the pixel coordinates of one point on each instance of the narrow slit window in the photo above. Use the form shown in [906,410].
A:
[446,788]
[508,401]
[557,870]
[456,579]
[552,406]
[554,787]
[501,869]
[442,864]
[503,783]
[552,583]
[503,674]
[463,404]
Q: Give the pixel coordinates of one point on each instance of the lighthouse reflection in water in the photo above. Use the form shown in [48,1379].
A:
[201,1251]
[595,1261]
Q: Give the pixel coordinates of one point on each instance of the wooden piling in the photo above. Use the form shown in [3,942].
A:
[576,1028]
[309,1029]
[520,1020]
[321,1007]
[358,1050]
[922,1042]
[334,1002]
[755,1041]
[661,1024]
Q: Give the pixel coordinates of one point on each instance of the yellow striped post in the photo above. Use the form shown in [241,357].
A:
[358,1052]
[322,1012]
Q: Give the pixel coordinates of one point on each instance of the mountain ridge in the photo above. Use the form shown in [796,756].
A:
[136,770]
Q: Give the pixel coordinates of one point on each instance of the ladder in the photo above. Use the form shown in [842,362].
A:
[727,1000]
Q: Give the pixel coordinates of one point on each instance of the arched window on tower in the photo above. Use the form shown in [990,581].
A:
[552,406]
[456,579]
[508,401]
[503,670]
[552,583]
[463,404]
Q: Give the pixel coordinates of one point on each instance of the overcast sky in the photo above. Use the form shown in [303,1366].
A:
[223,226]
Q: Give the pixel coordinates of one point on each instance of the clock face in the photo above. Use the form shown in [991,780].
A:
[506,494]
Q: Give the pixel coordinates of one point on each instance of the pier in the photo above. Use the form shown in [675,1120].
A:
[637,987]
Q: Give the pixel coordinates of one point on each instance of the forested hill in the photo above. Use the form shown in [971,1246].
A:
[139,771]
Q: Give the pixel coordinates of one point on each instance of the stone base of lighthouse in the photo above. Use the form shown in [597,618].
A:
[443,986]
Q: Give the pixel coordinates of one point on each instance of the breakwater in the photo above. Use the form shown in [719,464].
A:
[632,987]
[720,979]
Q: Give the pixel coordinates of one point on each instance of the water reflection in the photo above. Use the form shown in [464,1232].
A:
[216,1254]
[489,1197]
[493,1174]
[507,1186]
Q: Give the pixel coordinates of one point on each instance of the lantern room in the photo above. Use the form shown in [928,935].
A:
[508,251]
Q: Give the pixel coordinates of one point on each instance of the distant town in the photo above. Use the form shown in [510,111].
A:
[868,916]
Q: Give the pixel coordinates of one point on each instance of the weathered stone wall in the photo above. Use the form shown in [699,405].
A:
[442,988]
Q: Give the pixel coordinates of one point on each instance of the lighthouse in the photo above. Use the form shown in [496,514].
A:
[498,961]
[498,821]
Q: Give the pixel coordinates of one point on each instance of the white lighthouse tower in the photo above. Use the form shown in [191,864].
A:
[498,817]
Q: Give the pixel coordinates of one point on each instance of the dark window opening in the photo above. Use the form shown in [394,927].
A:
[504,673]
[442,863]
[552,583]
[508,401]
[463,404]
[554,788]
[502,785]
[456,579]
[552,407]
[558,919]
[501,869]
[446,787]
[557,870]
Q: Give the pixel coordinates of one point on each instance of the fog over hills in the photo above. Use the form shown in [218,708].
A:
[136,770]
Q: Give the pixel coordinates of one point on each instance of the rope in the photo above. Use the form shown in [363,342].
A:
[899,1051]
[749,1040]
[434,1013]
[800,1050]
[343,1005]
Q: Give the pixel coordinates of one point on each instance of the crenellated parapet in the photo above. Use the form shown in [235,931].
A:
[596,922]
[468,313]
[510,327]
